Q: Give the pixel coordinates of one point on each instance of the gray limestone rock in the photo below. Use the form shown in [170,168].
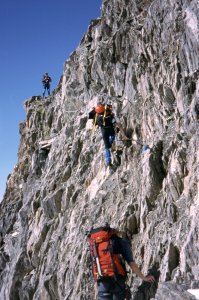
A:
[143,57]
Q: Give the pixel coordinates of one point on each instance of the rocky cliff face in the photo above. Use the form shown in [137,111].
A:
[142,56]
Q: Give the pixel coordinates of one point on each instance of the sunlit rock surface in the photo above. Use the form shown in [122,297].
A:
[144,57]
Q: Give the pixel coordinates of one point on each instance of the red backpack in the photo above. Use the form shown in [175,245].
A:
[105,263]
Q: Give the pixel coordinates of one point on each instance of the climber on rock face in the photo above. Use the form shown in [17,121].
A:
[108,267]
[105,118]
[46,80]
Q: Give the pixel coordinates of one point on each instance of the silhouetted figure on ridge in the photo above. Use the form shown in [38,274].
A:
[46,80]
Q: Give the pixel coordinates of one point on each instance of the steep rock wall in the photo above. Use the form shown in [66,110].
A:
[143,56]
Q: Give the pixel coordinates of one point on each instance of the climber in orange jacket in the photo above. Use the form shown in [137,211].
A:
[106,120]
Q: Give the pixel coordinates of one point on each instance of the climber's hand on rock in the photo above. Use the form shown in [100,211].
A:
[126,138]
[149,278]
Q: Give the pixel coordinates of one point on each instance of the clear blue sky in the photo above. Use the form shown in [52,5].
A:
[36,36]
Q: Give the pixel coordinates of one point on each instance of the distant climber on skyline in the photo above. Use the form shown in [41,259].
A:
[46,80]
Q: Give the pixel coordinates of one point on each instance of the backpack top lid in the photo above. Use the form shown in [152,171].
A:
[100,109]
[106,227]
[101,234]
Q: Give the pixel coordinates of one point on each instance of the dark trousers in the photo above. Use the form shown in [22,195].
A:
[108,135]
[110,289]
[46,87]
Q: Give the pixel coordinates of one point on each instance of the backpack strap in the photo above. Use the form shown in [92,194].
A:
[104,116]
[110,249]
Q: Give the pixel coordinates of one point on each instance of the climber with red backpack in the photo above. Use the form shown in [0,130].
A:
[106,120]
[109,252]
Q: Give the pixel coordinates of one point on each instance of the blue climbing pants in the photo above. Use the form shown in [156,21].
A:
[46,87]
[110,289]
[108,135]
